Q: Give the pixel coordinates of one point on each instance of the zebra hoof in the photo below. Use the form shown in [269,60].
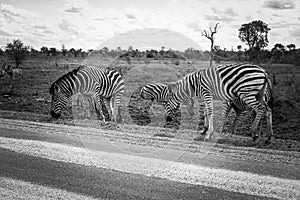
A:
[254,138]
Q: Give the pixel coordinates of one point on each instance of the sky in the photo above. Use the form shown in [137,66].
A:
[176,24]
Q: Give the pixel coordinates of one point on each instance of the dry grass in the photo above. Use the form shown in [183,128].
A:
[30,94]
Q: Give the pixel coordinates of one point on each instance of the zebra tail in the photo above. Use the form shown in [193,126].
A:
[260,95]
[271,100]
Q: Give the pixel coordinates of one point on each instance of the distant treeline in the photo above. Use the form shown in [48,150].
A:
[278,54]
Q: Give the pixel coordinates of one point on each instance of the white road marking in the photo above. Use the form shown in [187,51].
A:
[17,189]
[235,181]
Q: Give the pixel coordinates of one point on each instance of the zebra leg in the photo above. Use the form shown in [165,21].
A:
[206,123]
[108,105]
[117,107]
[270,125]
[259,112]
[251,100]
[100,113]
[226,109]
[205,126]
[209,113]
[236,122]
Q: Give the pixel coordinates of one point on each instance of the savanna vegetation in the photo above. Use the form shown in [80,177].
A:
[27,97]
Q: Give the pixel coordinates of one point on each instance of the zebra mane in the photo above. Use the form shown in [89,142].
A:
[71,74]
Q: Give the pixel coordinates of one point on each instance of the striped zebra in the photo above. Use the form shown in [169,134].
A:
[99,83]
[158,92]
[247,82]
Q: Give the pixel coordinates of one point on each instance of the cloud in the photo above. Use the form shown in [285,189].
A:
[219,15]
[105,18]
[130,16]
[15,14]
[230,12]
[39,27]
[3,33]
[279,4]
[48,32]
[73,10]
[283,24]
[276,15]
[68,28]
[76,6]
[295,33]
[195,26]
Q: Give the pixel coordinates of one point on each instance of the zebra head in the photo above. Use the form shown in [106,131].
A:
[58,102]
[173,103]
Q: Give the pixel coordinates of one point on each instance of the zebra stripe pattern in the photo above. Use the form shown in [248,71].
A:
[158,92]
[88,80]
[241,109]
[247,82]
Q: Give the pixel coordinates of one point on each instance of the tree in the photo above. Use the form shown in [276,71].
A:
[210,35]
[278,46]
[130,48]
[16,50]
[278,52]
[45,50]
[239,53]
[72,51]
[64,50]
[53,51]
[78,53]
[255,34]
[291,47]
[118,49]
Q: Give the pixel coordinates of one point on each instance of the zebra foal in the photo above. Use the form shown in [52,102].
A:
[98,83]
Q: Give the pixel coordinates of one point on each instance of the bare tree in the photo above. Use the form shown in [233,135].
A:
[211,36]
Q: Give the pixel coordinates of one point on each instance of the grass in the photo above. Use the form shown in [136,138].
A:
[30,94]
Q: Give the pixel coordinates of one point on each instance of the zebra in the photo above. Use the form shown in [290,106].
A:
[158,92]
[89,80]
[244,81]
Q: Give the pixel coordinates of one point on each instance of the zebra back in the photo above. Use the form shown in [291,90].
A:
[158,92]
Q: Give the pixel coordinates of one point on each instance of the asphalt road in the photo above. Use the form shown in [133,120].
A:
[57,162]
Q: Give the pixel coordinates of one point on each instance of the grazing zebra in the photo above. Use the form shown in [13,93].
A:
[158,92]
[107,84]
[247,82]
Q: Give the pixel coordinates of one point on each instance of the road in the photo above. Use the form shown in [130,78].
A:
[51,161]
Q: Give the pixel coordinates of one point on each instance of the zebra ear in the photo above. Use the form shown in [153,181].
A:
[56,88]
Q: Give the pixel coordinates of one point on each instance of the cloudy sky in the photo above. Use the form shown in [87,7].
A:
[88,24]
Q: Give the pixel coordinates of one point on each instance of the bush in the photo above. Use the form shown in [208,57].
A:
[17,51]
